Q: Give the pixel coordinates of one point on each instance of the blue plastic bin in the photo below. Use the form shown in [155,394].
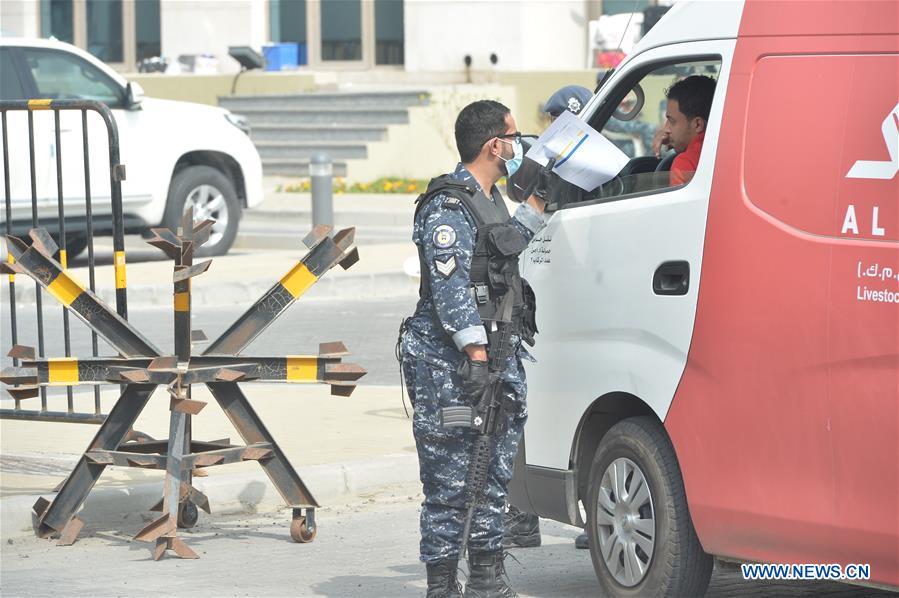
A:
[279,57]
[301,54]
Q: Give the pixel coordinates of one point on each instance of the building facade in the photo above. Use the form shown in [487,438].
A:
[411,36]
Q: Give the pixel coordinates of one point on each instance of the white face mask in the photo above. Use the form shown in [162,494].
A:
[513,163]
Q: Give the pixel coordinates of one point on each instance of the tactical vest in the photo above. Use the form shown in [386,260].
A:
[494,263]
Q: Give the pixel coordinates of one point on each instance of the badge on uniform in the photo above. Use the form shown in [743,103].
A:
[445,266]
[444,236]
[452,202]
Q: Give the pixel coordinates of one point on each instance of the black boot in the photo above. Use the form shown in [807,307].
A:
[487,576]
[582,541]
[442,581]
[520,529]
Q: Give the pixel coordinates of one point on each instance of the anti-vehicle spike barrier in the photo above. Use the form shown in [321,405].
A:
[140,367]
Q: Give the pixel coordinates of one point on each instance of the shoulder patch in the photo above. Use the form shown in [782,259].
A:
[452,202]
[444,236]
[445,266]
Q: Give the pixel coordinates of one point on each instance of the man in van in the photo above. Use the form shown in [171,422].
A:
[686,116]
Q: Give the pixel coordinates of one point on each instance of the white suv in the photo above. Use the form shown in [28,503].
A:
[176,153]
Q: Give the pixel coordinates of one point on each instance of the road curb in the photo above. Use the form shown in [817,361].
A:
[386,284]
[248,492]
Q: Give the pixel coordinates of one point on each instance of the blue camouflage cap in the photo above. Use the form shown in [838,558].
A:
[570,97]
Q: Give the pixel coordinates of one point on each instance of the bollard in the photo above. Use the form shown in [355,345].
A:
[321,171]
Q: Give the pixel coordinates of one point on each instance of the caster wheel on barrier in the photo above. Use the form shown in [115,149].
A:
[300,532]
[188,514]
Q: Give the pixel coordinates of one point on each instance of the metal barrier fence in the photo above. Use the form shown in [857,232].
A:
[62,229]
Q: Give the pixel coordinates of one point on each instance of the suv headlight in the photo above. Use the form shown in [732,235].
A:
[239,121]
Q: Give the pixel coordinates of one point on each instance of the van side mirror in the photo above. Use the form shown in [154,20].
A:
[134,95]
[631,104]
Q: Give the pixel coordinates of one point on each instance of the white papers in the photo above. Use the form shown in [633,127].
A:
[583,156]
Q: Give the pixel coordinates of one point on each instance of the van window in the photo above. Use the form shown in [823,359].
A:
[639,120]
[62,76]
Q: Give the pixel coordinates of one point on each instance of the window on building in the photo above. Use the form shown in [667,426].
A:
[288,21]
[57,20]
[63,76]
[389,37]
[104,30]
[616,7]
[341,29]
[288,25]
[147,29]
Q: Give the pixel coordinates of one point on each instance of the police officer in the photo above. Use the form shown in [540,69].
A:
[468,247]
[571,97]
[574,97]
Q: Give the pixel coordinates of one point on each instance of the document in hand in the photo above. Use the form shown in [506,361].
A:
[583,156]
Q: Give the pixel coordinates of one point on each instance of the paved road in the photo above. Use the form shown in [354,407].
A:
[365,549]
[368,327]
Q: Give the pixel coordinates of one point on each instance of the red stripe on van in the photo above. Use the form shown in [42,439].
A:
[786,423]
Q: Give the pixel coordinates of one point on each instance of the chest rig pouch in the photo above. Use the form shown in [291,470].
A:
[494,264]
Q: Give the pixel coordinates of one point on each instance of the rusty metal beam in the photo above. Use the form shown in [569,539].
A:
[85,474]
[253,452]
[50,274]
[52,416]
[323,256]
[248,424]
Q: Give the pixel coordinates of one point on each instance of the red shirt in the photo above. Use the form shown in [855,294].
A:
[684,165]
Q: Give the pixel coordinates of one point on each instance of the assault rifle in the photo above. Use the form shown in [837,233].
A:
[484,416]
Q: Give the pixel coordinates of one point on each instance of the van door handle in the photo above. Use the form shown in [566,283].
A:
[671,278]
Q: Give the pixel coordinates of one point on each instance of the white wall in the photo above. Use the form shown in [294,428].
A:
[525,35]
[208,27]
[19,17]
[426,146]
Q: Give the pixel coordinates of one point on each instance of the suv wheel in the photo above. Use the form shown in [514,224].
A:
[212,196]
[642,540]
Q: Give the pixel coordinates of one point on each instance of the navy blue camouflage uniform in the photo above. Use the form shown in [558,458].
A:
[432,349]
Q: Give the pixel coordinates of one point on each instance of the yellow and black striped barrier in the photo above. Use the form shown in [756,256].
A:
[324,253]
[36,261]
[71,371]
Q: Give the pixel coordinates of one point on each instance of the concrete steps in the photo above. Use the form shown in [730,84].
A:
[329,132]
[289,129]
[296,167]
[329,115]
[338,150]
[348,99]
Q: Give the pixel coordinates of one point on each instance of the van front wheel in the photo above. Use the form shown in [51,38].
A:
[642,540]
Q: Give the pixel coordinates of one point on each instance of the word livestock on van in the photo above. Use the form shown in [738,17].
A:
[877,273]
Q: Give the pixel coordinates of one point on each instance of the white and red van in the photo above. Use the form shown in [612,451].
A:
[718,362]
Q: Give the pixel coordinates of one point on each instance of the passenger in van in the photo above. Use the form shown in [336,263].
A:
[686,117]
